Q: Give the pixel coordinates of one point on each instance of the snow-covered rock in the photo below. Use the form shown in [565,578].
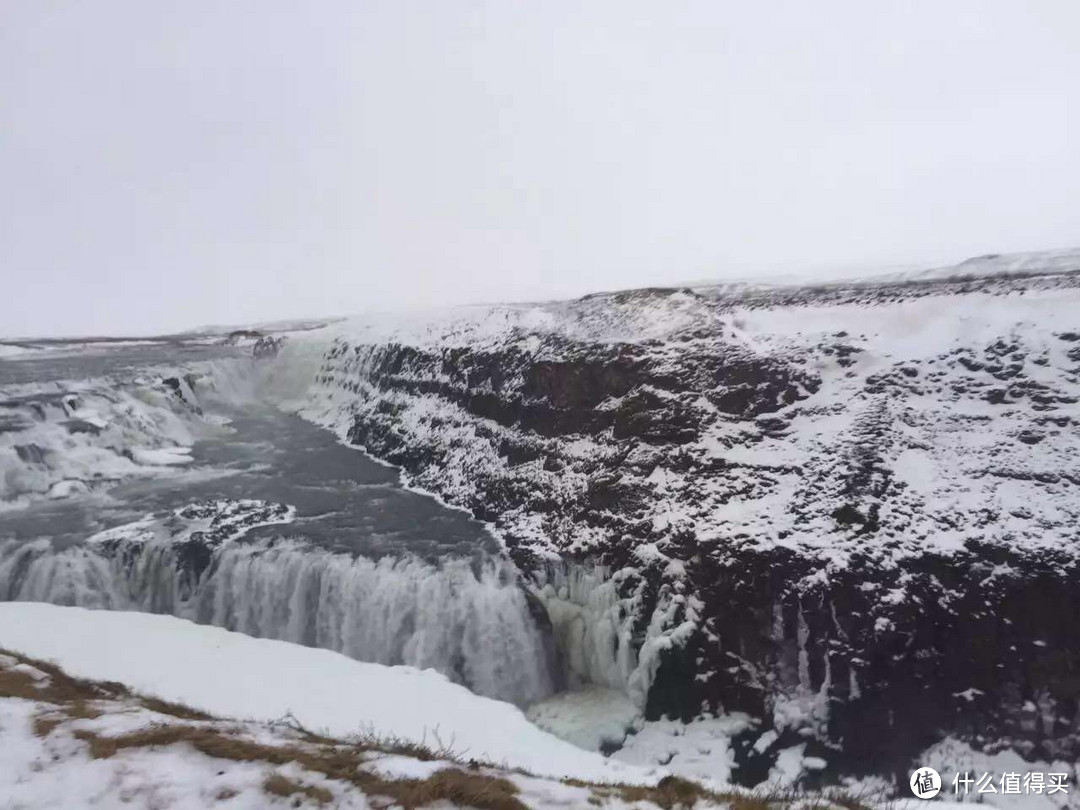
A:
[831,507]
[845,512]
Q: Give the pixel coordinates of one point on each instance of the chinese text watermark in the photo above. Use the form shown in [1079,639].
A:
[926,783]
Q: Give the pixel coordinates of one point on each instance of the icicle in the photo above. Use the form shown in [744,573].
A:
[804,656]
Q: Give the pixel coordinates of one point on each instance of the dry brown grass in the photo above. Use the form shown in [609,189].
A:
[673,793]
[44,726]
[59,688]
[460,783]
[76,697]
[670,792]
[342,763]
[371,740]
[177,710]
[81,710]
[76,693]
[278,785]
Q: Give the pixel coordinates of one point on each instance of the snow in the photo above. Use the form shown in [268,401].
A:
[48,760]
[605,318]
[11,352]
[789,766]
[761,745]
[1009,264]
[588,718]
[55,772]
[163,457]
[947,449]
[233,675]
[951,757]
[700,749]
[890,373]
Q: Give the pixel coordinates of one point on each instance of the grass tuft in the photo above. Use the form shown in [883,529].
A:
[340,762]
[282,786]
[44,726]
[462,782]
[177,710]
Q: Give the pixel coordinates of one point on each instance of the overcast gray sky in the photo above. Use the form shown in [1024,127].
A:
[169,164]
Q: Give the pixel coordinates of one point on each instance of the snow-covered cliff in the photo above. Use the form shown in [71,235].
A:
[850,509]
[845,514]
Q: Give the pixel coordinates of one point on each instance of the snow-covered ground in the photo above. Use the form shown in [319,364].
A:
[238,731]
[66,744]
[235,675]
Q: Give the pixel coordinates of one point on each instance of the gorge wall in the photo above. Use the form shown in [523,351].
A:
[850,511]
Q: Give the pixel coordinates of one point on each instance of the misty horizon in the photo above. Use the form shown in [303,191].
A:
[167,168]
[792,276]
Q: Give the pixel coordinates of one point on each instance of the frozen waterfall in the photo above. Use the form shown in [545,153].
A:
[472,622]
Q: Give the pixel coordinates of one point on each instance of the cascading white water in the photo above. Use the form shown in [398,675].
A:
[591,624]
[591,629]
[596,632]
[78,576]
[475,626]
[476,623]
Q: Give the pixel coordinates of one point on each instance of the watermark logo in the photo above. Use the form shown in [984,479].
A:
[925,783]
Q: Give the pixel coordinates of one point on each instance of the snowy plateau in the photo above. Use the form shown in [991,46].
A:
[679,542]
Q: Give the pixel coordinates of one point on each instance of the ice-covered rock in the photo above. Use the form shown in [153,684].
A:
[831,507]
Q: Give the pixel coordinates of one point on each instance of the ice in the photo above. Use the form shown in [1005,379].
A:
[699,750]
[71,437]
[593,718]
[162,457]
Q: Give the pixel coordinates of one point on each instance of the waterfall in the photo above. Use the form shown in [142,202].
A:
[591,624]
[472,622]
[34,572]
[482,624]
[606,633]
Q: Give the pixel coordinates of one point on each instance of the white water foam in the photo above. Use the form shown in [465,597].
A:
[474,624]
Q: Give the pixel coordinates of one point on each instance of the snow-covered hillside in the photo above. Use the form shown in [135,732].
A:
[814,530]
[204,717]
[107,709]
[772,410]
[216,670]
[816,504]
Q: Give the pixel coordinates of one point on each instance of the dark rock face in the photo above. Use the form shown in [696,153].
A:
[30,453]
[885,662]
[268,346]
[238,335]
[849,511]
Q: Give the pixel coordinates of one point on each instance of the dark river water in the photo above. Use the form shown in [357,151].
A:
[366,567]
[344,500]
